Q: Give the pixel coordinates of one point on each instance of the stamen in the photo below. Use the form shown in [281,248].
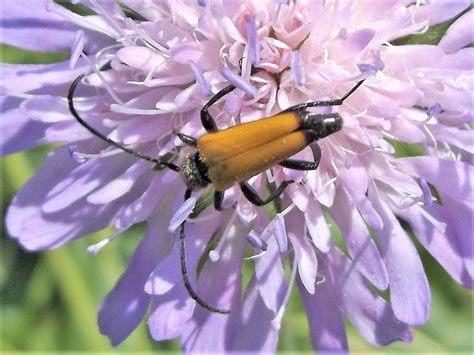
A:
[181,214]
[238,82]
[202,3]
[112,21]
[147,40]
[433,139]
[76,49]
[377,60]
[296,69]
[83,157]
[252,39]
[256,241]
[320,279]
[342,34]
[434,110]
[81,21]
[368,69]
[122,108]
[74,154]
[439,226]
[200,79]
[95,248]
[276,322]
[102,79]
[427,197]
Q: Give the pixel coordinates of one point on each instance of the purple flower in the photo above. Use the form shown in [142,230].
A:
[150,75]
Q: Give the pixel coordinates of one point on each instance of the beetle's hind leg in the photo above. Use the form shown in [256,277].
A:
[252,195]
[304,165]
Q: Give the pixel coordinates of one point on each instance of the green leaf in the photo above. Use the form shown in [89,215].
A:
[433,35]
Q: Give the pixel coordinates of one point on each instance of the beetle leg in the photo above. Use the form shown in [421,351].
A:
[252,195]
[188,140]
[218,200]
[207,121]
[297,164]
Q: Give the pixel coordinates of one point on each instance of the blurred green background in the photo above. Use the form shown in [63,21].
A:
[49,301]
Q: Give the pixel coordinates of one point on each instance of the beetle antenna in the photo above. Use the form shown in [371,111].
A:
[184,271]
[70,99]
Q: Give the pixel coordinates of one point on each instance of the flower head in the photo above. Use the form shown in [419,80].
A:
[151,66]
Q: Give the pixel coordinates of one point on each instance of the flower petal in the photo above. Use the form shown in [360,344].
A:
[410,294]
[459,34]
[325,318]
[36,230]
[270,276]
[361,247]
[369,313]
[124,307]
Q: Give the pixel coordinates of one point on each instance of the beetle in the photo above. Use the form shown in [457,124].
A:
[232,155]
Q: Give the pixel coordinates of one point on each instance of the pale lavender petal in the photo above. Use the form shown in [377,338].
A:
[317,227]
[410,294]
[120,185]
[124,307]
[140,209]
[169,313]
[51,78]
[47,109]
[84,179]
[361,247]
[270,276]
[305,253]
[36,230]
[439,171]
[460,138]
[352,45]
[165,276]
[27,27]
[459,34]
[458,215]
[433,237]
[325,317]
[253,332]
[437,11]
[173,308]
[369,313]
[19,132]
[219,284]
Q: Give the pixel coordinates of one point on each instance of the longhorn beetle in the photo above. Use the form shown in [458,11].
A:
[224,158]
